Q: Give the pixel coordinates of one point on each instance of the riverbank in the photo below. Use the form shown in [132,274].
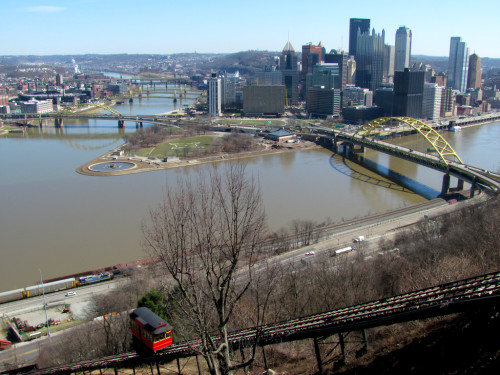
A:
[143,164]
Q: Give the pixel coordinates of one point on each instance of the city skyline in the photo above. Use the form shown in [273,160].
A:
[59,27]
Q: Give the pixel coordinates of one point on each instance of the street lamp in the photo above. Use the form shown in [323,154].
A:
[44,304]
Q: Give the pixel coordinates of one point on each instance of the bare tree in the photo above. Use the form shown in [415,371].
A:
[207,237]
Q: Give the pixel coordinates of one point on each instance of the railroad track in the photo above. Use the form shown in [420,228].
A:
[444,299]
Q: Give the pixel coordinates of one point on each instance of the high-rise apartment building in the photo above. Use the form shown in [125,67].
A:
[339,57]
[214,95]
[361,25]
[370,60]
[290,72]
[474,77]
[458,64]
[403,48]
[408,93]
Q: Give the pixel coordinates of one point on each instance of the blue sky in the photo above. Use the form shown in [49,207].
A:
[47,27]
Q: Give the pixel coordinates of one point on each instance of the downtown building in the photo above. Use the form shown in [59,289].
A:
[271,75]
[370,60]
[431,101]
[355,96]
[37,106]
[408,93]
[264,100]
[311,55]
[290,74]
[340,58]
[357,26]
[389,52]
[403,48]
[323,90]
[475,72]
[458,64]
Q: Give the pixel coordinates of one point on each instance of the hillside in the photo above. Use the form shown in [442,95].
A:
[462,344]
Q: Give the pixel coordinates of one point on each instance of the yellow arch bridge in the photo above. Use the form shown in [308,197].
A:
[446,160]
[438,143]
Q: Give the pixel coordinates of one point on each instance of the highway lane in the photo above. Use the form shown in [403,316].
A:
[373,228]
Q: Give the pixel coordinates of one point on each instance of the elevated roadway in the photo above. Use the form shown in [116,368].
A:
[446,161]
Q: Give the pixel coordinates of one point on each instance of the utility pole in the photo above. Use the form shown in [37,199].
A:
[44,303]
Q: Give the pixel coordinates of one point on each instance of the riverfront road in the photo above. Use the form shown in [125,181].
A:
[339,235]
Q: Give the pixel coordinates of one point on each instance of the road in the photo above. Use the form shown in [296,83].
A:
[373,228]
[28,352]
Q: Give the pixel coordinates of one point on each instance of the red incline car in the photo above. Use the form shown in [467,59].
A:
[150,330]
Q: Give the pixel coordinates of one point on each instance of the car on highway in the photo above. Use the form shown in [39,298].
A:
[310,253]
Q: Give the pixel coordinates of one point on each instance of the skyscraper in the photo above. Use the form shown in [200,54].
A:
[408,93]
[403,48]
[474,77]
[289,69]
[388,63]
[339,57]
[458,64]
[311,55]
[355,24]
[370,60]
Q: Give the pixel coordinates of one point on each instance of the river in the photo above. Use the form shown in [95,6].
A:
[60,222]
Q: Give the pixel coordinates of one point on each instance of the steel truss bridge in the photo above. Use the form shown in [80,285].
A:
[473,294]
[446,161]
[78,111]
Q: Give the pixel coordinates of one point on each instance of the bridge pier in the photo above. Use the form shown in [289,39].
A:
[460,185]
[472,188]
[446,184]
[58,122]
[121,124]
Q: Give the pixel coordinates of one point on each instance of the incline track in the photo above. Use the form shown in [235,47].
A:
[462,295]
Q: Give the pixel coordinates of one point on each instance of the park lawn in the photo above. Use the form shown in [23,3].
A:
[175,147]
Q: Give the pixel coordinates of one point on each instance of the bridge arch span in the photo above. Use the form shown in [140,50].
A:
[438,143]
[95,105]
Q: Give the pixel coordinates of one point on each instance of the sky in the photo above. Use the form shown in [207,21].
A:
[62,27]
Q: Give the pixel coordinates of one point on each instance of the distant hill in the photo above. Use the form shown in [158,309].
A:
[440,63]
[246,62]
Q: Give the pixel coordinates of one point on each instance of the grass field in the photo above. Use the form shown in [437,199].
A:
[176,147]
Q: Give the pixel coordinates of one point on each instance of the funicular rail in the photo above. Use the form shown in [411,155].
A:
[444,299]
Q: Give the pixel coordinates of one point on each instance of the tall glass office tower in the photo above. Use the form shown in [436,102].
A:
[403,48]
[458,64]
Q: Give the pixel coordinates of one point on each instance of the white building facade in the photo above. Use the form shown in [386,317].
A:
[403,48]
[431,101]
[214,96]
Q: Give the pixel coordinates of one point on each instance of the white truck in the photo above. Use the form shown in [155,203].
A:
[358,239]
